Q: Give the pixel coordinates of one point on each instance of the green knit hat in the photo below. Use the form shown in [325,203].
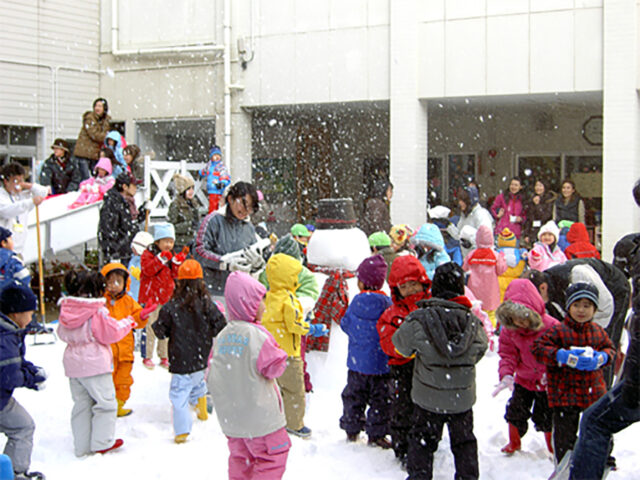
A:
[299,230]
[379,239]
[288,246]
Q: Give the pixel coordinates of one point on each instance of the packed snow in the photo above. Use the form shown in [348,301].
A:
[149,451]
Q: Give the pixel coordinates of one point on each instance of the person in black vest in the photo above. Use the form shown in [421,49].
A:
[569,205]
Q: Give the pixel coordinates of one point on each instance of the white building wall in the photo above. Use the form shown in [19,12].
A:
[319,52]
[54,45]
[622,122]
[503,47]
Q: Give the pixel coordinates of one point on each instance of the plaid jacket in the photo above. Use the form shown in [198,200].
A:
[567,386]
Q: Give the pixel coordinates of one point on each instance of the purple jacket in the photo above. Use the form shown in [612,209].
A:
[512,208]
[515,342]
[89,331]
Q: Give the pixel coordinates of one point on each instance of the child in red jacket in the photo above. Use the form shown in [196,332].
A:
[158,269]
[574,353]
[579,244]
[409,284]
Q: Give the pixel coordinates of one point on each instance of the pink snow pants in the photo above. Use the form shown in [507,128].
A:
[260,458]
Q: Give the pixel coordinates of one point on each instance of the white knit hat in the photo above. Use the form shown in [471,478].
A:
[141,241]
[549,227]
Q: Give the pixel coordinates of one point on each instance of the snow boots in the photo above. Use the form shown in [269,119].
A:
[117,444]
[147,362]
[514,441]
[201,408]
[181,438]
[123,412]
[549,439]
[381,442]
[164,363]
[304,432]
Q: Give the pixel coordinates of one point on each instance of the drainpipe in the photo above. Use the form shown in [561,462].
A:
[116,51]
[227,83]
[228,86]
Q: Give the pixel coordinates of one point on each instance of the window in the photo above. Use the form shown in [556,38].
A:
[547,168]
[584,169]
[435,181]
[176,139]
[461,169]
[19,144]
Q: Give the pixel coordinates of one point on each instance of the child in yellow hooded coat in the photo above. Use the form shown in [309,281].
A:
[121,305]
[284,319]
[508,244]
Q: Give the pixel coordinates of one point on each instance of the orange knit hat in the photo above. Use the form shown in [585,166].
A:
[189,270]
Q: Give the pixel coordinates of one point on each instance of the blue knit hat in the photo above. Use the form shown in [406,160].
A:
[5,233]
[17,298]
[579,290]
[163,230]
[215,150]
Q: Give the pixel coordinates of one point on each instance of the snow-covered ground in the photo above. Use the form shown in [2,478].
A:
[150,453]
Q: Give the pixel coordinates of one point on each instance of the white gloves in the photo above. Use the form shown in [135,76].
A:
[254,258]
[506,382]
[236,264]
[41,373]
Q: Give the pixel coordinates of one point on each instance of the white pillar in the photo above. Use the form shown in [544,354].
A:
[621,112]
[407,117]
[241,146]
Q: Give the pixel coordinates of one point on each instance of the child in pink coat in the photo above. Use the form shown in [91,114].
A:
[93,189]
[546,253]
[523,320]
[246,362]
[89,331]
[484,265]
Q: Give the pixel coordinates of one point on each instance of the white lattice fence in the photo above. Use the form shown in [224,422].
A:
[157,179]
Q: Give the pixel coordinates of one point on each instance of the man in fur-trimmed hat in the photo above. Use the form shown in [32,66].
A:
[61,171]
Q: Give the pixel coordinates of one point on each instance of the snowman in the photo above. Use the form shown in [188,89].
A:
[334,252]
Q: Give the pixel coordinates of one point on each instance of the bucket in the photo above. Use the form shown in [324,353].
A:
[335,213]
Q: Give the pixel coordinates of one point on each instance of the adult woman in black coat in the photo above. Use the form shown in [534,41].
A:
[117,223]
[376,217]
[539,210]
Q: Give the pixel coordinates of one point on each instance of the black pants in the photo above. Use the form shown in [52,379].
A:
[565,429]
[425,435]
[363,390]
[401,407]
[519,410]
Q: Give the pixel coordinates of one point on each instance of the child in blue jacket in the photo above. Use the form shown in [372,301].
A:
[17,304]
[368,381]
[217,177]
[11,267]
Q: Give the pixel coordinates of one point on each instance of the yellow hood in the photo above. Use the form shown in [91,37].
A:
[282,272]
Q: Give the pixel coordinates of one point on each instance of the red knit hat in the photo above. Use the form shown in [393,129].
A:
[189,270]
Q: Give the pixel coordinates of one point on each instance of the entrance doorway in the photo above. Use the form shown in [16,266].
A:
[313,170]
